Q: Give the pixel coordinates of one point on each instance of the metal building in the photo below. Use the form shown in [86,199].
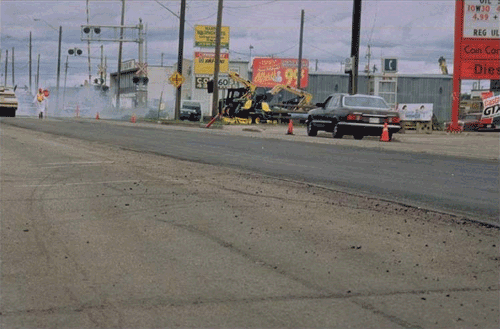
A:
[421,88]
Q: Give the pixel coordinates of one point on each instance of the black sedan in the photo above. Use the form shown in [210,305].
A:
[357,115]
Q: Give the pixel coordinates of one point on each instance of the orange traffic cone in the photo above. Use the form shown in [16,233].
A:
[290,128]
[97,116]
[132,118]
[385,134]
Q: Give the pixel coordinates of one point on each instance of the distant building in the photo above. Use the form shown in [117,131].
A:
[436,89]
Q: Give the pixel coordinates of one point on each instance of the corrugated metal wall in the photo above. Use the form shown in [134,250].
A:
[411,89]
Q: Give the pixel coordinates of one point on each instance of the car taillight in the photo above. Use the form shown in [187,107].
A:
[354,117]
[395,119]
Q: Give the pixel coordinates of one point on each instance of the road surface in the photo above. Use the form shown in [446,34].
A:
[96,236]
[465,187]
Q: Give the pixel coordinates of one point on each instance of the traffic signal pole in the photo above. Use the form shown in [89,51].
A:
[356,26]
[120,58]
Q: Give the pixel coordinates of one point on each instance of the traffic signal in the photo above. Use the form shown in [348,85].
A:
[87,29]
[210,86]
[143,80]
[74,51]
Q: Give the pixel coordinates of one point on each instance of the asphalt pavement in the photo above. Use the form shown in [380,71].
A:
[411,170]
[103,227]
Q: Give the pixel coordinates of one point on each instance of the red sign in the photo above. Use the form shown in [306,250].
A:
[480,49]
[269,72]
[477,46]
[481,70]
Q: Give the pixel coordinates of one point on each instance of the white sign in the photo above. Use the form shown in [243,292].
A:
[128,65]
[224,82]
[348,64]
[415,112]
[491,107]
[482,19]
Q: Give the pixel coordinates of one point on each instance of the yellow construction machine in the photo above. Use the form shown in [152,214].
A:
[303,97]
[244,105]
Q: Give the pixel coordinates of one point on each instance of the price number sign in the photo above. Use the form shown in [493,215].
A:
[223,83]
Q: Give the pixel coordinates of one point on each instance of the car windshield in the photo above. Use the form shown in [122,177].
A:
[191,106]
[365,101]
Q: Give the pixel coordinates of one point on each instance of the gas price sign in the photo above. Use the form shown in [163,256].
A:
[481,19]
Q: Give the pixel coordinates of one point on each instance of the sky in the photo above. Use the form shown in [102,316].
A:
[415,32]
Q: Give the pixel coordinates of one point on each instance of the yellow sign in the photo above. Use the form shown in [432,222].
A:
[204,36]
[176,79]
[204,63]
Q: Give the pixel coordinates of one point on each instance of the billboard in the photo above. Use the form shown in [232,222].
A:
[204,63]
[269,72]
[204,36]
[415,112]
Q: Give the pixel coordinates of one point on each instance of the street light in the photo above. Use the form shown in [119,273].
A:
[42,20]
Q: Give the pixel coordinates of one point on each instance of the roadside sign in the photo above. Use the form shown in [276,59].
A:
[389,65]
[224,82]
[176,79]
[481,19]
[491,107]
[348,65]
[204,62]
[204,36]
[477,46]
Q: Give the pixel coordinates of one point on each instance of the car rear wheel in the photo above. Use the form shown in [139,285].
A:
[336,131]
[311,130]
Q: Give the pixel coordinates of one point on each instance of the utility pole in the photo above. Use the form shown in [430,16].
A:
[356,26]
[141,93]
[13,76]
[120,57]
[105,69]
[65,75]
[369,55]
[161,59]
[58,70]
[6,66]
[180,58]
[38,74]
[88,45]
[101,70]
[299,73]
[215,99]
[316,68]
[31,93]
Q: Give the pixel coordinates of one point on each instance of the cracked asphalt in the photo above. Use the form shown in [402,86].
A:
[94,236]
